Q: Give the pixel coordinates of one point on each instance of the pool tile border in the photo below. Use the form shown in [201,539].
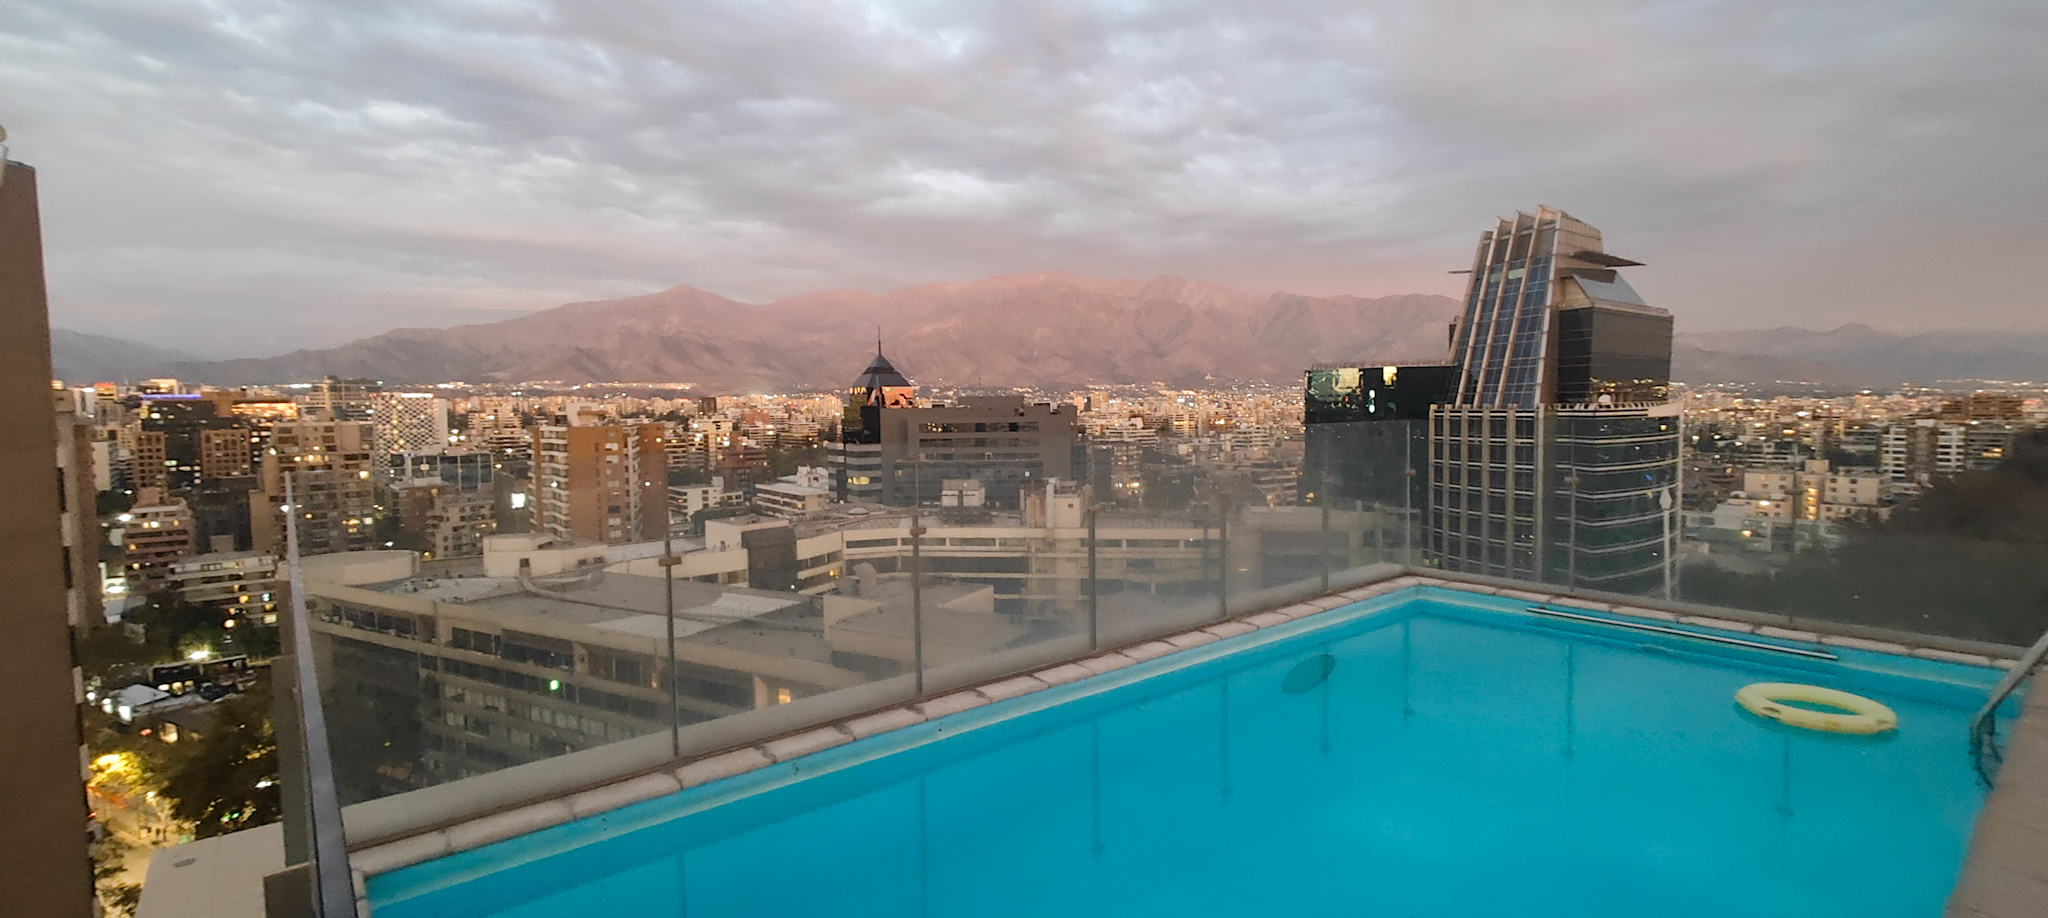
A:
[507,824]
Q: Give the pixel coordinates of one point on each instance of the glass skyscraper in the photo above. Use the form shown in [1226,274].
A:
[1557,457]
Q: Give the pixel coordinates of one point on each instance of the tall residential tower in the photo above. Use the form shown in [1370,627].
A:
[43,864]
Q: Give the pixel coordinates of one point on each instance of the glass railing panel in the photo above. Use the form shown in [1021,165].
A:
[990,600]
[523,687]
[428,680]
[1158,572]
[1960,552]
[444,680]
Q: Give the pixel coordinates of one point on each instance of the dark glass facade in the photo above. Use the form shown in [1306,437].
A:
[1615,476]
[1341,395]
[1365,436]
[1621,355]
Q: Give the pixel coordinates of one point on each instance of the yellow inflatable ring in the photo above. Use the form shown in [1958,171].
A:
[1866,716]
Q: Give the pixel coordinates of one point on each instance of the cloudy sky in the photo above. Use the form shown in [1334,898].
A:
[238,177]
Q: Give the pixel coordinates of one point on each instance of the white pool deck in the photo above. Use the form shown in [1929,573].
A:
[2005,876]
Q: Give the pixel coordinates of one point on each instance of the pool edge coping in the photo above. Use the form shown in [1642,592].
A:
[502,824]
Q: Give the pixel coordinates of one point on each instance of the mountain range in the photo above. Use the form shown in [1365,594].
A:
[1049,329]
[88,357]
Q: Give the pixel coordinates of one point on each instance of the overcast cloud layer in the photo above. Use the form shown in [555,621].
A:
[245,177]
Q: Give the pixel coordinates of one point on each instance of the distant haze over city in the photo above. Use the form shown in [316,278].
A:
[237,179]
[1048,329]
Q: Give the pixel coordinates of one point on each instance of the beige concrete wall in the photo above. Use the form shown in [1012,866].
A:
[44,869]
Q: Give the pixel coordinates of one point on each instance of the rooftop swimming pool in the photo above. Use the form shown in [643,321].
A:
[1427,753]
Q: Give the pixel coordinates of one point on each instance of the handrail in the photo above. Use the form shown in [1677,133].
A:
[1660,629]
[333,885]
[1984,751]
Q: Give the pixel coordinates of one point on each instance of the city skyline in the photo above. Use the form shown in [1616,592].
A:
[253,176]
[443,479]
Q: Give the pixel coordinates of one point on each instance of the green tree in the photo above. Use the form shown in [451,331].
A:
[1969,559]
[110,502]
[782,462]
[109,857]
[167,618]
[227,780]
[112,655]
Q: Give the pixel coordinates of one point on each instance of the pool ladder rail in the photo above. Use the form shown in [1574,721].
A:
[1680,632]
[1984,751]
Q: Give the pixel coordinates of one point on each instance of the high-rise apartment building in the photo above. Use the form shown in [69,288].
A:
[335,498]
[409,422]
[1920,450]
[191,437]
[441,519]
[496,423]
[1557,458]
[78,450]
[893,451]
[1816,491]
[600,482]
[44,869]
[1983,406]
[243,584]
[226,453]
[155,535]
[147,463]
[338,399]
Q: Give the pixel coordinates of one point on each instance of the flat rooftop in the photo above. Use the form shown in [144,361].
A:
[626,603]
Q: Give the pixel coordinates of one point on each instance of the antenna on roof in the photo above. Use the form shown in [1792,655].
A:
[878,340]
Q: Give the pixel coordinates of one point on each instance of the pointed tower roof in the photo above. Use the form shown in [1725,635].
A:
[880,374]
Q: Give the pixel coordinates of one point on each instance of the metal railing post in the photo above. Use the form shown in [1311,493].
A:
[1094,594]
[668,603]
[1984,751]
[333,886]
[1325,553]
[917,599]
[1223,555]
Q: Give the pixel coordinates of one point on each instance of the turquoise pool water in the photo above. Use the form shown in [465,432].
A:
[1460,758]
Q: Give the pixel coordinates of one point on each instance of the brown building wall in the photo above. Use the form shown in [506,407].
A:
[1011,446]
[608,471]
[224,453]
[331,470]
[155,539]
[44,869]
[76,436]
[148,470]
